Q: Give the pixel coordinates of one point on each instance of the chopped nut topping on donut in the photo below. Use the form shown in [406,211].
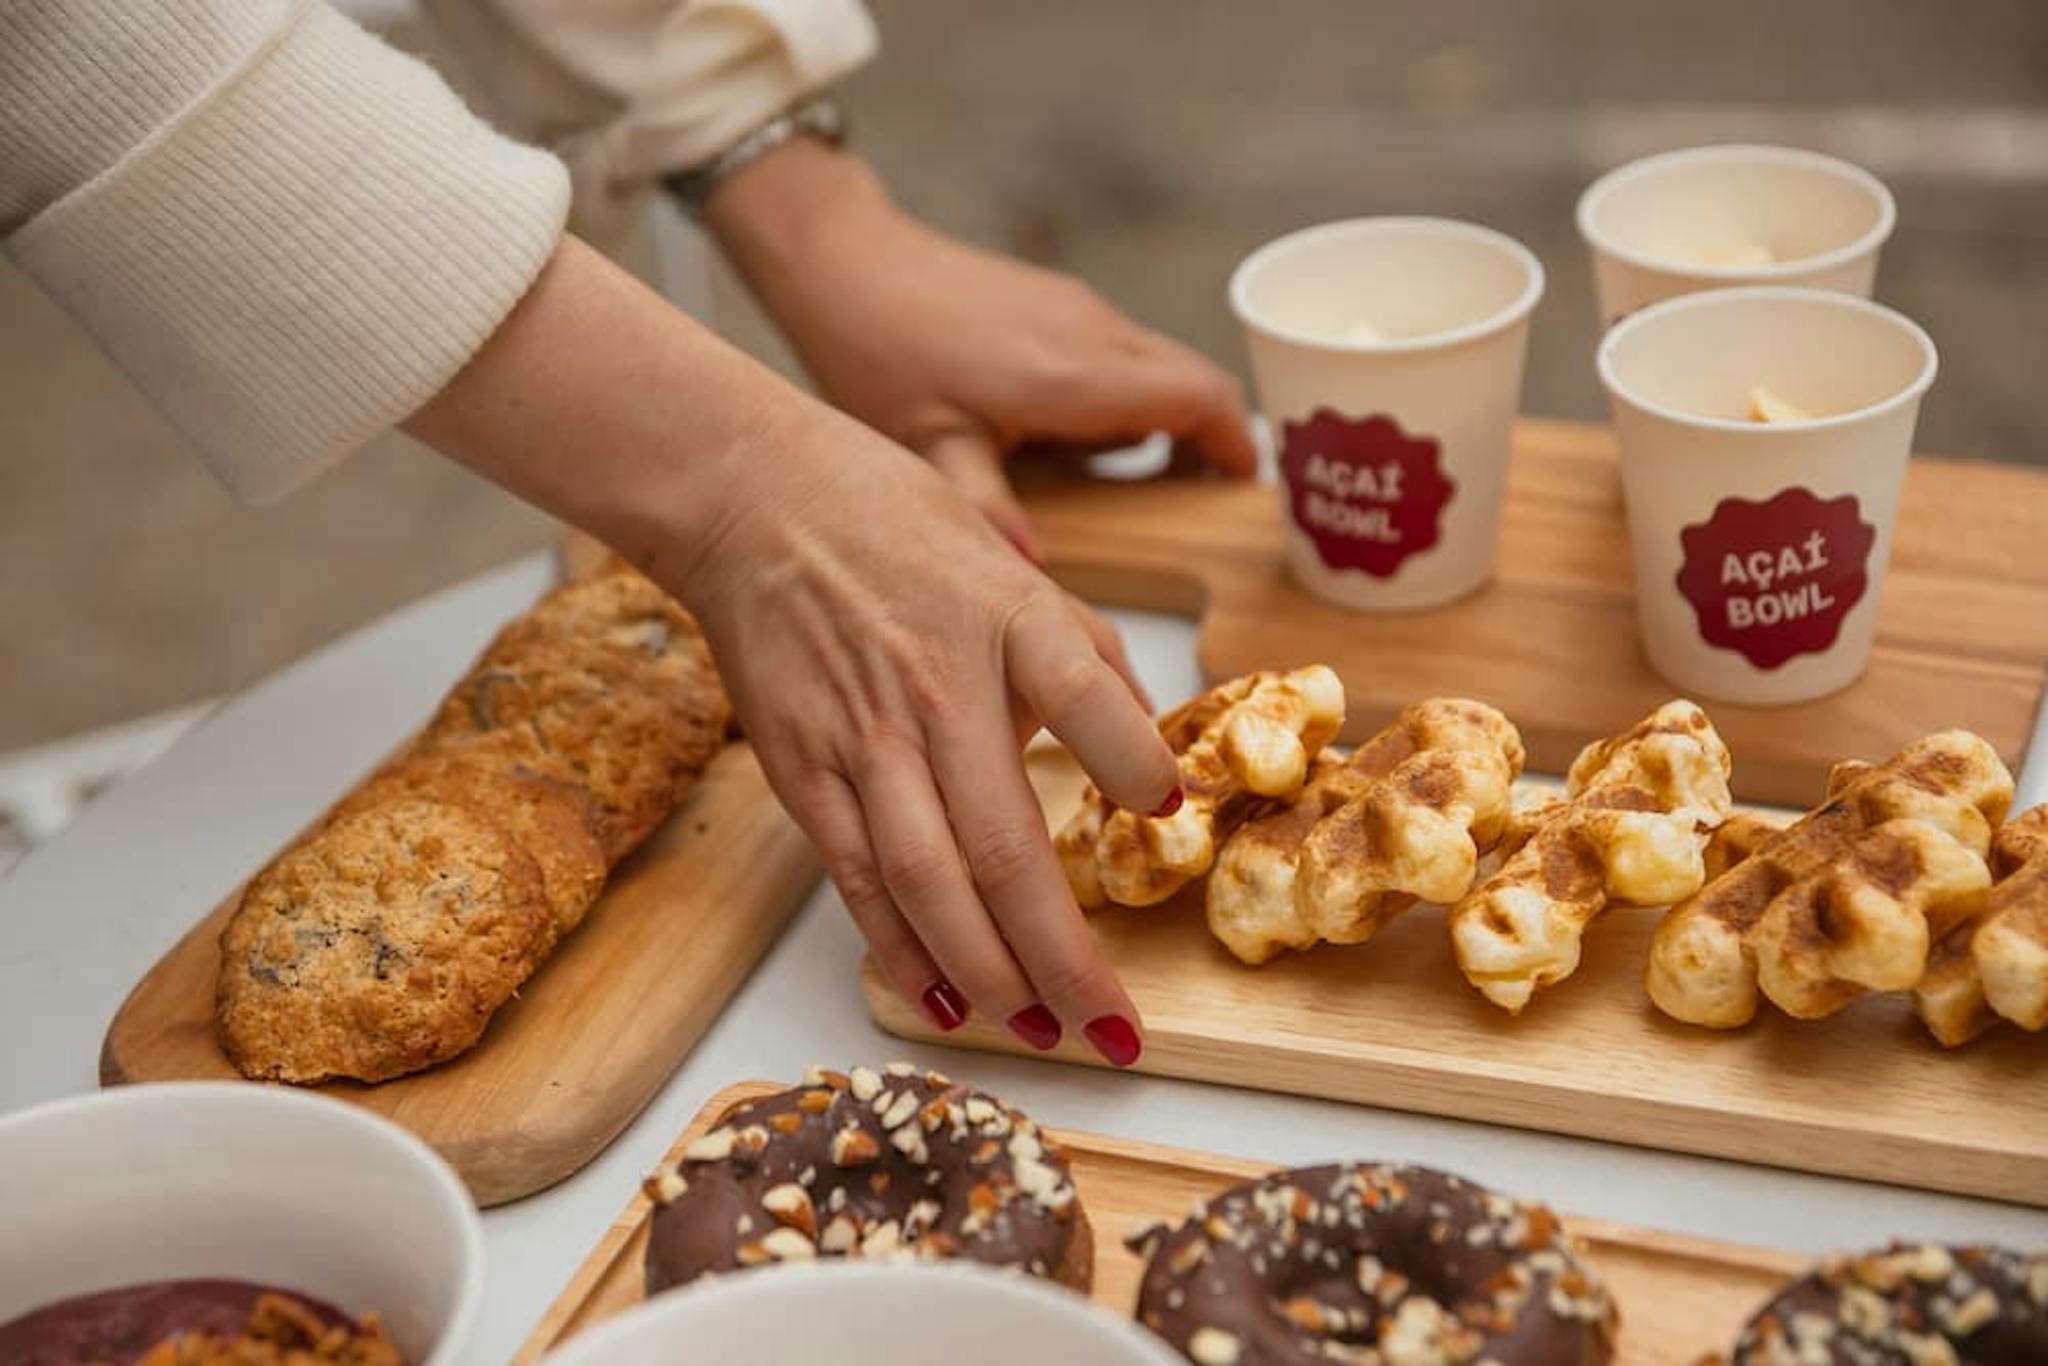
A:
[715,1146]
[935,1165]
[791,1205]
[788,1245]
[899,1109]
[840,1237]
[1292,1247]
[909,1140]
[665,1185]
[1214,1347]
[1924,1305]
[881,1240]
[1963,1319]
[854,1146]
[921,1217]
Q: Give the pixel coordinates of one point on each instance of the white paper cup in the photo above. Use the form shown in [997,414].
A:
[225,1180]
[1760,548]
[1713,217]
[868,1314]
[1388,357]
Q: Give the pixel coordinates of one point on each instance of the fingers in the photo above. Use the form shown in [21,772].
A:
[1054,667]
[831,815]
[974,464]
[1110,645]
[1151,384]
[1009,857]
[1214,423]
[918,861]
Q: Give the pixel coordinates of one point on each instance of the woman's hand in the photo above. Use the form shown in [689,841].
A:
[885,649]
[959,354]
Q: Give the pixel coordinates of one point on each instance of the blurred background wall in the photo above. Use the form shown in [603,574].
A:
[1146,145]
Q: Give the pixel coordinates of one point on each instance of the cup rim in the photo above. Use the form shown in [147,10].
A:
[369,1128]
[1498,321]
[1722,298]
[593,1343]
[1870,240]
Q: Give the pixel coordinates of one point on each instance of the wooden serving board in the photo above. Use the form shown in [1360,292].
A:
[1680,1297]
[1962,636]
[590,1038]
[1391,1023]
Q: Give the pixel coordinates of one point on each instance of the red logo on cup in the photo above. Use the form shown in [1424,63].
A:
[1365,492]
[1774,579]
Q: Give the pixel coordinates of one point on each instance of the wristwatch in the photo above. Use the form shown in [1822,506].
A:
[819,118]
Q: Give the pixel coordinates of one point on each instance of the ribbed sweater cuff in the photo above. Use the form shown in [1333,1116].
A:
[304,256]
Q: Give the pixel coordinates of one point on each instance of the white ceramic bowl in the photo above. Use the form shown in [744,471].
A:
[868,1314]
[229,1180]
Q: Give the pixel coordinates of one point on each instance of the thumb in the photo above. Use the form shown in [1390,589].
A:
[974,465]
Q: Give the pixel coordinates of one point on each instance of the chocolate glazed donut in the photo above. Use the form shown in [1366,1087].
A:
[869,1164]
[1907,1306]
[1390,1265]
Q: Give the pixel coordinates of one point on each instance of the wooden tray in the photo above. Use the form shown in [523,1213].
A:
[1679,1297]
[1962,635]
[569,1062]
[1392,1023]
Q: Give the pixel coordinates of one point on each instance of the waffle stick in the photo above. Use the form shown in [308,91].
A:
[1995,965]
[1846,899]
[1405,817]
[1250,739]
[1628,831]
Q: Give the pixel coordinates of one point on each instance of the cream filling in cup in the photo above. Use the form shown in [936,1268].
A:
[1712,217]
[1764,436]
[1387,354]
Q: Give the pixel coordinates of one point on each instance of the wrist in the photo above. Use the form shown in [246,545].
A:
[771,212]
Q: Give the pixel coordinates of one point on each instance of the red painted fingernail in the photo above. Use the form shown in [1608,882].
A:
[1036,1026]
[1171,804]
[944,1003]
[1115,1038]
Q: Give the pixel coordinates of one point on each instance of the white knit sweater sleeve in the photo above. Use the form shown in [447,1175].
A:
[288,234]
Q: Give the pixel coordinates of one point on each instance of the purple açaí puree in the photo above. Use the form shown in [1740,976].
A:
[118,1326]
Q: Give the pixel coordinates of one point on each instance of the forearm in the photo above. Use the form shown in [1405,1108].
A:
[606,406]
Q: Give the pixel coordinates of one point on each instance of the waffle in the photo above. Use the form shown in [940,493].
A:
[1251,738]
[1846,899]
[1404,818]
[1628,831]
[1995,964]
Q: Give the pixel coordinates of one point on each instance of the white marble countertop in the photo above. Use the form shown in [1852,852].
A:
[86,914]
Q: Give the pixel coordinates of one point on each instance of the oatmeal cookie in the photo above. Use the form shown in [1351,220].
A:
[605,721]
[554,821]
[379,945]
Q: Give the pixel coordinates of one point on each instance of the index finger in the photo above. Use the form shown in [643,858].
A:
[1057,674]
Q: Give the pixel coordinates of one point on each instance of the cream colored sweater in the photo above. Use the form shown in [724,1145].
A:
[290,235]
